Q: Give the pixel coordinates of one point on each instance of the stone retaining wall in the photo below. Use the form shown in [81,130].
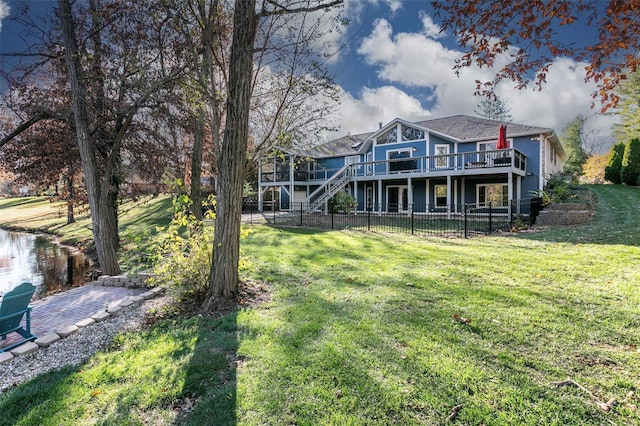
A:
[564,214]
[138,280]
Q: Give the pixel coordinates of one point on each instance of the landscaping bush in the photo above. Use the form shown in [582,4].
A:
[182,252]
[630,168]
[559,189]
[343,203]
[614,163]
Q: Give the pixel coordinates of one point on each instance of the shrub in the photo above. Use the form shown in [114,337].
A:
[343,203]
[614,163]
[593,169]
[519,223]
[558,190]
[630,169]
[182,253]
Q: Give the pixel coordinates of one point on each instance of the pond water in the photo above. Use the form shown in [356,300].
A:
[35,259]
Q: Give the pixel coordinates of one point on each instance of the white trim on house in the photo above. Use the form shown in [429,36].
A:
[485,185]
[399,150]
[351,159]
[398,123]
[442,162]
[541,150]
[400,201]
[369,199]
[435,195]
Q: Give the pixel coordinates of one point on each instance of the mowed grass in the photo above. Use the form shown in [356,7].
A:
[616,219]
[366,328]
[371,329]
[39,214]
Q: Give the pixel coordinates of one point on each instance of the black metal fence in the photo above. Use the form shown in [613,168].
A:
[462,221]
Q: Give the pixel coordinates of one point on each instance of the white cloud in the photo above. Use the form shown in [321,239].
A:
[421,60]
[412,59]
[394,5]
[4,12]
[373,105]
[357,7]
[562,98]
[431,29]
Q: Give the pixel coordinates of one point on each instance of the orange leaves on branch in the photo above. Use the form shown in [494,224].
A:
[535,22]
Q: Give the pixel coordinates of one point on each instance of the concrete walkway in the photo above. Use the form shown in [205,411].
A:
[63,309]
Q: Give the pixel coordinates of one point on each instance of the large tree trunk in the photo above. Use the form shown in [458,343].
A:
[108,234]
[204,73]
[99,214]
[223,281]
[105,139]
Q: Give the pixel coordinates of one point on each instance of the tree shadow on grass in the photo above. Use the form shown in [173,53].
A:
[156,214]
[176,372]
[29,403]
[210,385]
[22,201]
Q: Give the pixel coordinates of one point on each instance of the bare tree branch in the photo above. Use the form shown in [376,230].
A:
[26,125]
[283,10]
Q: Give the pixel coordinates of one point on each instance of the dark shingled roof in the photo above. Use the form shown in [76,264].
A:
[467,128]
[342,146]
[459,127]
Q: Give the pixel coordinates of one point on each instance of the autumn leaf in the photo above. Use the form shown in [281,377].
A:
[461,319]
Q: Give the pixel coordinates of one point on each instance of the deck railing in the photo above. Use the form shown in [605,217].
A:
[499,159]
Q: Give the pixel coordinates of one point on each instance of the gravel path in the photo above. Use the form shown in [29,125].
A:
[78,347]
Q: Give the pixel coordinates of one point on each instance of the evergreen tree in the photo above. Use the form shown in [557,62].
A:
[629,108]
[494,108]
[630,170]
[614,164]
[572,142]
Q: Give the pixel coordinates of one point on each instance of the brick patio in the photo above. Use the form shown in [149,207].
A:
[64,309]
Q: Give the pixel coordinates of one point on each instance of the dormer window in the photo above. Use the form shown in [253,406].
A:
[411,134]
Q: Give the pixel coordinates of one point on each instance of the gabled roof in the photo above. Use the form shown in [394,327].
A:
[466,128]
[458,128]
[345,145]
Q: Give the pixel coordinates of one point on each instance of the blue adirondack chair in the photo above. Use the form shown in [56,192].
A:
[13,307]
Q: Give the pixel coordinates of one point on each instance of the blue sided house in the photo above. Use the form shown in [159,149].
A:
[427,166]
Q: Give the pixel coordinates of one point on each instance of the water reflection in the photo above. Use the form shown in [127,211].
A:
[31,258]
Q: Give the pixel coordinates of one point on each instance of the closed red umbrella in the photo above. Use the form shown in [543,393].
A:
[502,138]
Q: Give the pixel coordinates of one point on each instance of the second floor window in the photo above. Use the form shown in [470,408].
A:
[401,160]
[390,137]
[411,134]
[442,156]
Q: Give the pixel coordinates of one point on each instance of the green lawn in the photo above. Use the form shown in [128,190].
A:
[366,328]
[137,219]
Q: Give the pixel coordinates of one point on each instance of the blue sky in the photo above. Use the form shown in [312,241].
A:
[395,63]
[398,64]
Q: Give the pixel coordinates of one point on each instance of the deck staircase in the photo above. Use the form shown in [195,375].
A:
[335,184]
